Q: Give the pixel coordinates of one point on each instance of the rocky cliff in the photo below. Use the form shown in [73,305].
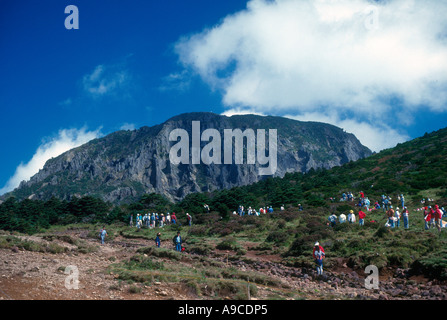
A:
[123,165]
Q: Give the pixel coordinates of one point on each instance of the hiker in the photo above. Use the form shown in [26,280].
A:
[207,208]
[386,204]
[178,242]
[153,220]
[103,234]
[318,255]
[282,208]
[173,218]
[138,221]
[402,200]
[168,218]
[438,217]
[300,207]
[188,219]
[333,219]
[270,209]
[432,212]
[390,216]
[131,220]
[405,215]
[351,216]
[397,217]
[342,218]
[367,203]
[158,240]
[427,218]
[362,216]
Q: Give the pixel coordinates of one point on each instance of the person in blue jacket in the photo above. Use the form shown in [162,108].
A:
[158,240]
[178,242]
[103,234]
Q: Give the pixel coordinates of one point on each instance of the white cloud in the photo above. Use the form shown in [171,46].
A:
[357,59]
[127,126]
[105,80]
[376,136]
[240,111]
[65,140]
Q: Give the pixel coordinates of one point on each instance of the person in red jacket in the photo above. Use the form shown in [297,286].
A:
[318,255]
[362,216]
[438,217]
[427,218]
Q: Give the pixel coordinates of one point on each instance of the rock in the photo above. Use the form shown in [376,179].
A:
[139,156]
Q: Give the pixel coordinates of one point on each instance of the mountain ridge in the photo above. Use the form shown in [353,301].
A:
[126,164]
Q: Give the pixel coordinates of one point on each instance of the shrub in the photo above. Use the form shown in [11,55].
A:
[134,289]
[302,246]
[198,230]
[228,244]
[277,237]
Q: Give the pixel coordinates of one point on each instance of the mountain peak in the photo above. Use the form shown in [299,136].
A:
[123,165]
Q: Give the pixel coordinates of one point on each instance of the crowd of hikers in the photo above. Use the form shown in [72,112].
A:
[432,216]
[241,211]
[156,220]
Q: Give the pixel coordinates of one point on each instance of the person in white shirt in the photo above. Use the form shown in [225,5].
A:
[351,216]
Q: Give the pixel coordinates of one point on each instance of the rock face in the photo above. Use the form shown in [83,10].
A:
[126,164]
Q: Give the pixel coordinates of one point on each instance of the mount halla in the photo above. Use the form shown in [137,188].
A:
[124,165]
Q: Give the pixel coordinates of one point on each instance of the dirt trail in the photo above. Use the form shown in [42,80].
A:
[41,276]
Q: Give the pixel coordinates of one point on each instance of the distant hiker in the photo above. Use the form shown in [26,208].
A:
[390,216]
[351,216]
[137,221]
[173,218]
[188,219]
[386,203]
[405,216]
[103,234]
[397,217]
[318,255]
[207,208]
[158,240]
[131,220]
[153,220]
[333,219]
[427,218]
[438,217]
[168,218]
[432,212]
[377,205]
[342,218]
[282,208]
[300,207]
[402,200]
[362,216]
[177,242]
[367,203]
[270,209]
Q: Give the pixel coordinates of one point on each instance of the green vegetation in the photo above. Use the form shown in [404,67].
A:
[418,169]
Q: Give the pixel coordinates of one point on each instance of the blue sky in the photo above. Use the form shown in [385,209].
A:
[376,69]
